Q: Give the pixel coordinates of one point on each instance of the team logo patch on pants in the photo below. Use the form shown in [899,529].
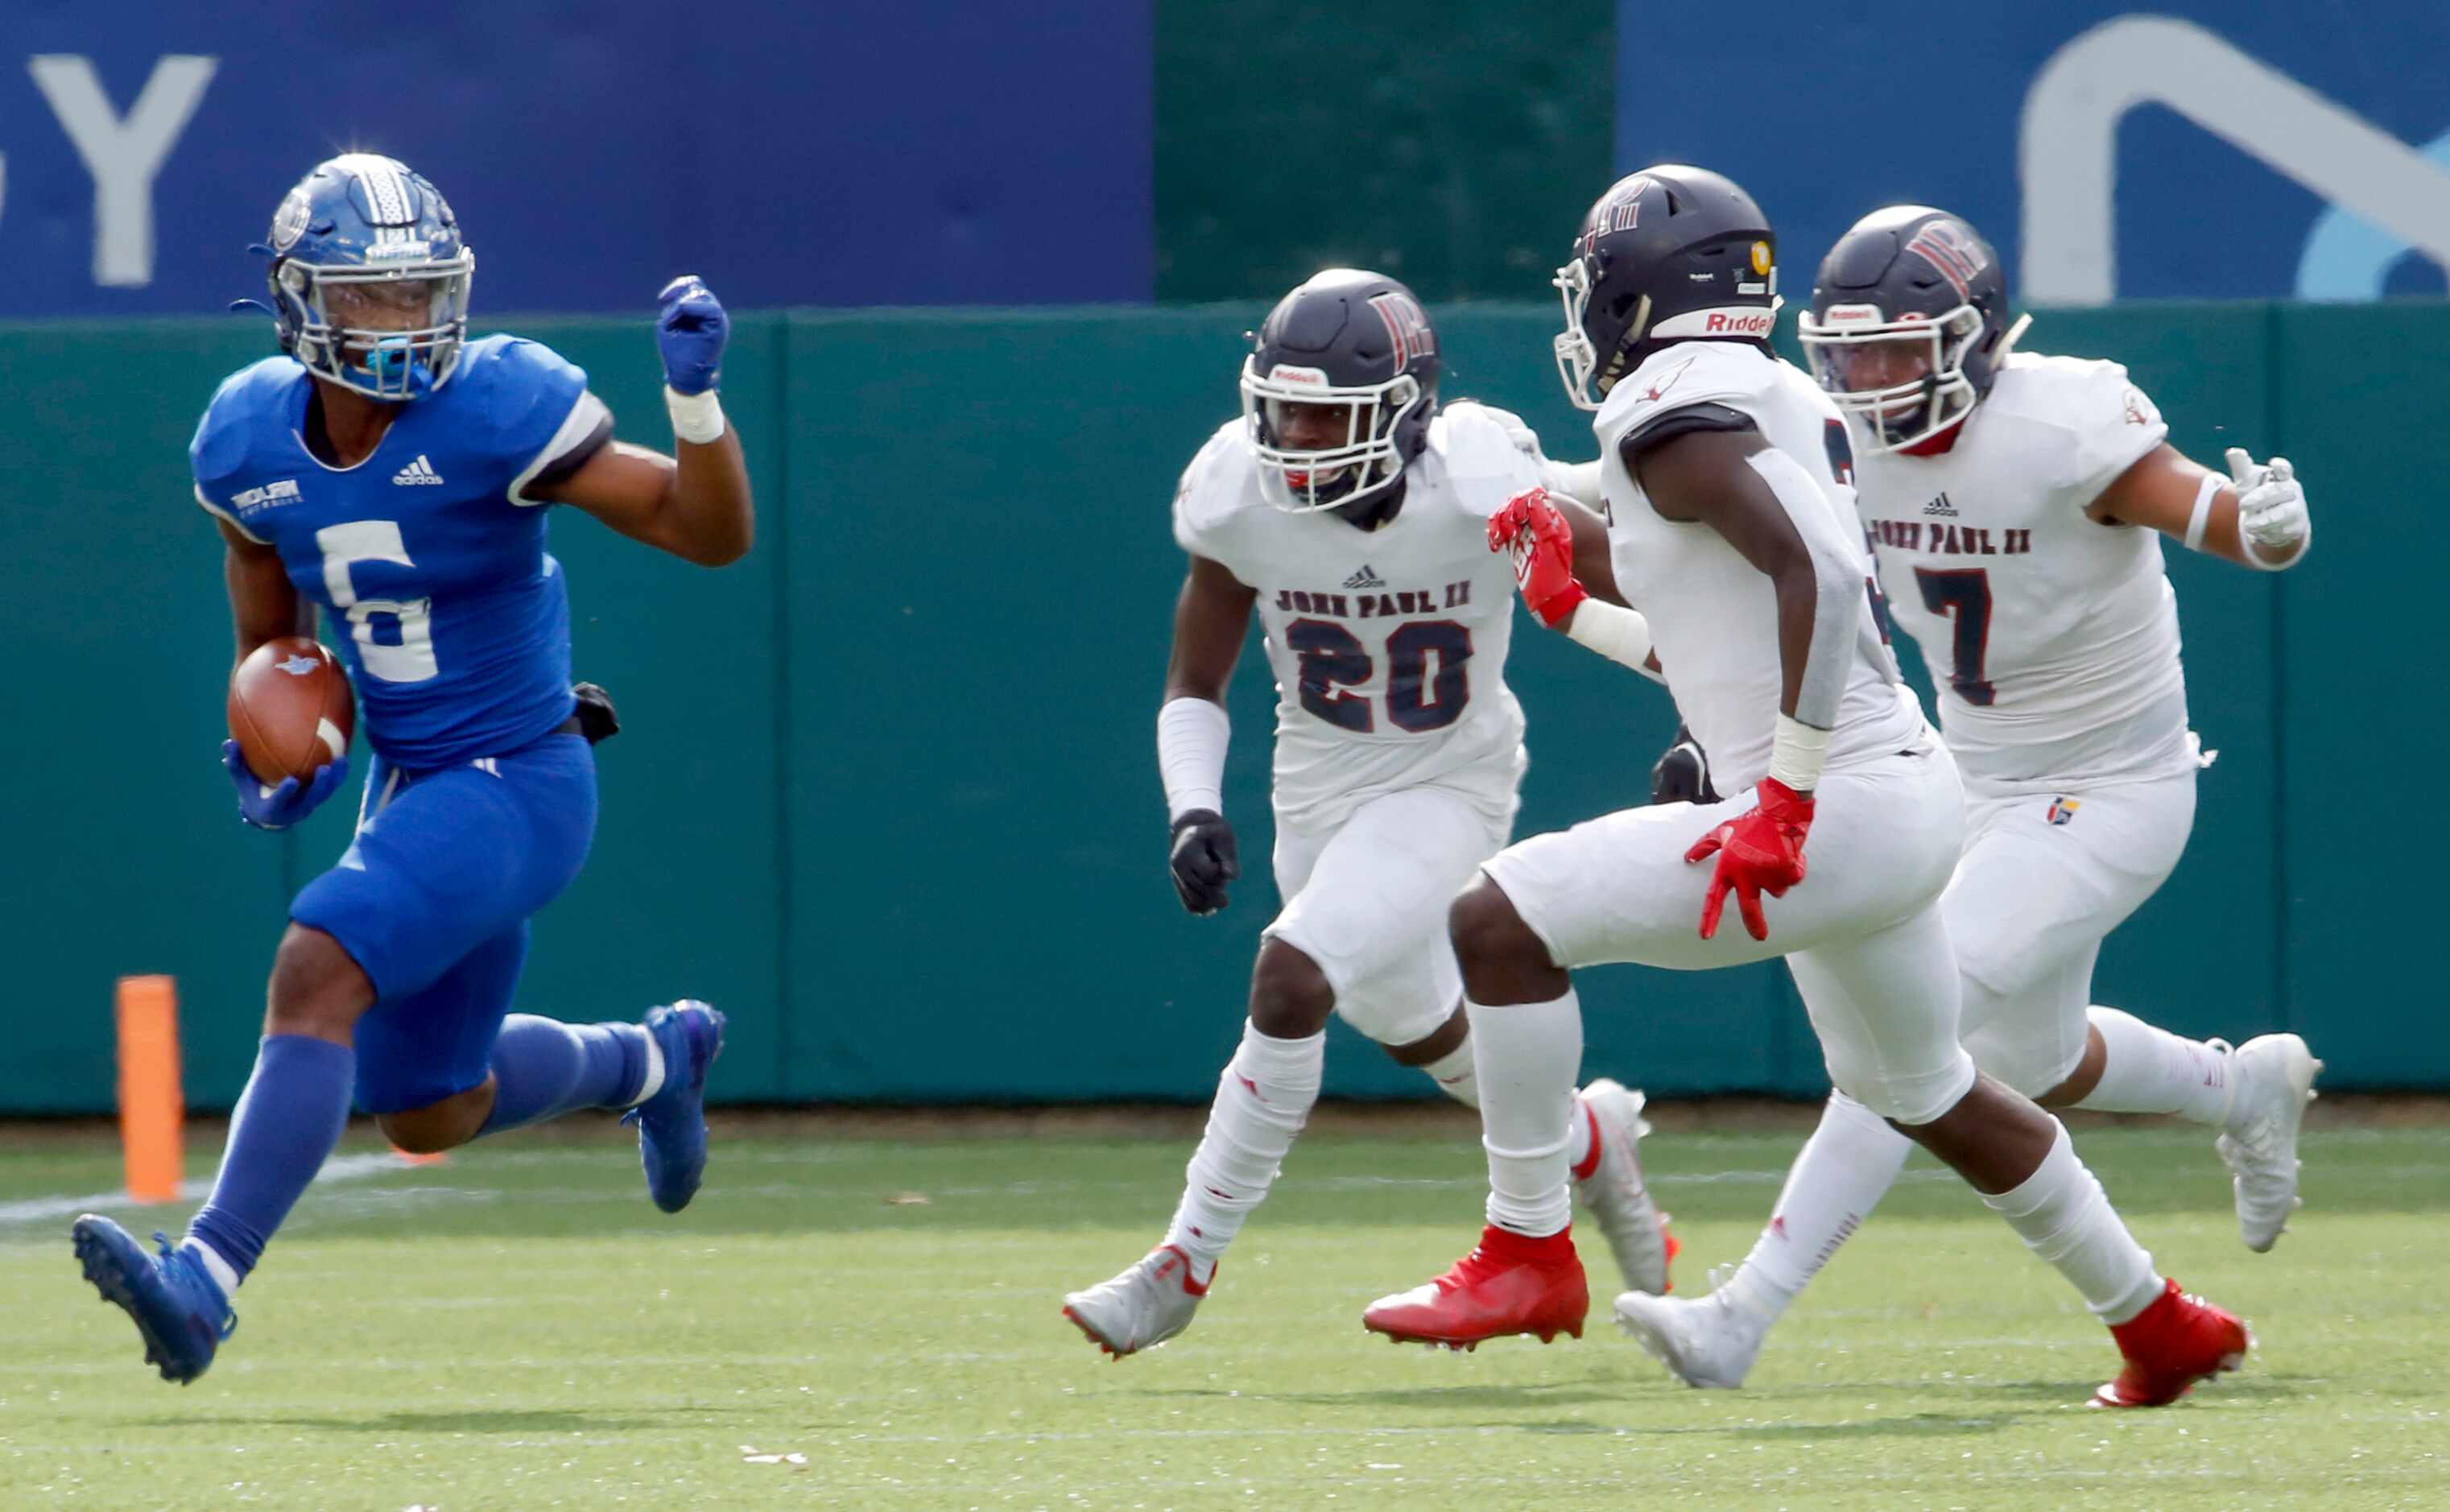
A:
[2063,809]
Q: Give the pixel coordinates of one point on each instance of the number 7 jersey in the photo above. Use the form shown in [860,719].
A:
[429,557]
[1389,646]
[2053,638]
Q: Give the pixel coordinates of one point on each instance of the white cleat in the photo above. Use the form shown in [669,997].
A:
[1709,1342]
[2274,1082]
[1615,1194]
[1151,1302]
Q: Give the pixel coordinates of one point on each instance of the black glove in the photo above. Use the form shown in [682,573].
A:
[1203,860]
[1683,775]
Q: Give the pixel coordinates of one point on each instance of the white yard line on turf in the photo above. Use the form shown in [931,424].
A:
[341,1168]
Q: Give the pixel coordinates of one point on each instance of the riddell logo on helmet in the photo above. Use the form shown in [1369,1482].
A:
[1287,373]
[1752,323]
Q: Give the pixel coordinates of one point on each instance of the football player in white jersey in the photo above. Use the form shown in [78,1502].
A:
[1730,544]
[1351,512]
[2012,501]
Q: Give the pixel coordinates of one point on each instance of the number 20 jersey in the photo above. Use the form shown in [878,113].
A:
[428,559]
[2052,638]
[1389,646]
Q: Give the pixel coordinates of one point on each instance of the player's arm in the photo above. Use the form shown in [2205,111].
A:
[1717,471]
[2255,518]
[264,605]
[696,502]
[1212,617]
[1568,580]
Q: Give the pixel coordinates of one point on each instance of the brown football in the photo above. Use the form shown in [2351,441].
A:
[290,709]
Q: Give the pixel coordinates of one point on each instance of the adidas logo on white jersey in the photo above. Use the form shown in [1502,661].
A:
[1938,509]
[420,470]
[1367,577]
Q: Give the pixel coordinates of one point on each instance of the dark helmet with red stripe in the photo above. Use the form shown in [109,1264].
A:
[1909,324]
[1669,254]
[1350,340]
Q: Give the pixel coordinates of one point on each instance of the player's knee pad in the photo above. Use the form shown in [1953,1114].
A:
[1291,998]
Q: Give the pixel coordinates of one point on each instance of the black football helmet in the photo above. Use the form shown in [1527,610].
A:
[1669,254]
[1355,340]
[1909,324]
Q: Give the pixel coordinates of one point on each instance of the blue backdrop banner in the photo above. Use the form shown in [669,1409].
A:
[857,153]
[2208,149]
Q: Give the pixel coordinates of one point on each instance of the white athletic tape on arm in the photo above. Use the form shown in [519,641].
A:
[1796,754]
[1619,635]
[2202,518]
[697,419]
[1192,734]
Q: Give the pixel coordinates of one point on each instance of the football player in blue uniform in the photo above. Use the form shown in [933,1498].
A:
[395,475]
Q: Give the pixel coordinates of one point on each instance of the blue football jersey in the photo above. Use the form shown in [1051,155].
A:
[427,558]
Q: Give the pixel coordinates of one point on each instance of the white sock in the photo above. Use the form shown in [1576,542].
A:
[1457,1076]
[1847,1166]
[1579,1134]
[1529,1055]
[1262,1101]
[2063,1216]
[2148,1070]
[224,1275]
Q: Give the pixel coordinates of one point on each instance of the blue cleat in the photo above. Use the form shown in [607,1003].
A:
[178,1309]
[671,1124]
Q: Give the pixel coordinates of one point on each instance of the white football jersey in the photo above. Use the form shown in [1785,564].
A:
[2053,639]
[1389,646]
[1713,616]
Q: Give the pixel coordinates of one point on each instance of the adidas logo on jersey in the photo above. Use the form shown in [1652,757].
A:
[1367,577]
[420,470]
[1940,508]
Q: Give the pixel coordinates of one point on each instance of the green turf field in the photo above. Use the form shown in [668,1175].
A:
[519,1329]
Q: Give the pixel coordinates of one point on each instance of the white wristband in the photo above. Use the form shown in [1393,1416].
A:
[697,419]
[2254,555]
[2205,492]
[1796,753]
[1192,734]
[1619,635]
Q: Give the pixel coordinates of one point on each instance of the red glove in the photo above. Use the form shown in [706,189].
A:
[1543,545]
[1759,852]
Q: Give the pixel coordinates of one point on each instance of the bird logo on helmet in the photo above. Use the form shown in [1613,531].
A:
[369,278]
[1669,254]
[1909,324]
[1354,348]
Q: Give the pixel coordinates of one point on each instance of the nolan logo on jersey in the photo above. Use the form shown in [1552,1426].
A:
[1940,508]
[1373,606]
[1367,577]
[283,491]
[1950,540]
[420,470]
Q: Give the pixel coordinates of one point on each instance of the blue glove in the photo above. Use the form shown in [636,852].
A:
[690,333]
[280,807]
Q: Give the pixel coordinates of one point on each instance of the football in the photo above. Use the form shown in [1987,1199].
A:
[290,708]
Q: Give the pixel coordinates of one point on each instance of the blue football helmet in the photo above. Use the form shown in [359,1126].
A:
[369,277]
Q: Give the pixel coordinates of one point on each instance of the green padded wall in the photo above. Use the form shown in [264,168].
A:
[887,791]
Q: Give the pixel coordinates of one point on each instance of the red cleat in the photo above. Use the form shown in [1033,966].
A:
[2169,1345]
[1508,1283]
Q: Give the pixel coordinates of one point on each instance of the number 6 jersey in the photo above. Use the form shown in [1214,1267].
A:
[2053,638]
[429,557]
[1389,646]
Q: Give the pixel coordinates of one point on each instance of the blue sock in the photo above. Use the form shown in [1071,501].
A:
[286,1121]
[544,1068]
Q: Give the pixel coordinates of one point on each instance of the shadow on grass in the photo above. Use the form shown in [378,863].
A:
[1465,1397]
[541,1421]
